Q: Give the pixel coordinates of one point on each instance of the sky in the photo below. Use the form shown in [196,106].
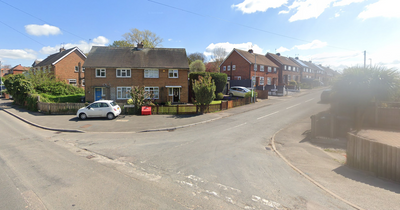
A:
[333,33]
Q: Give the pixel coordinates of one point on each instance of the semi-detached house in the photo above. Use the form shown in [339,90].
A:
[289,69]
[110,73]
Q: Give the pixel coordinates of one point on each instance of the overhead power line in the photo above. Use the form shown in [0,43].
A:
[23,34]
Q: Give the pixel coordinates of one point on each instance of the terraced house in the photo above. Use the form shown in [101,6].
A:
[289,69]
[110,72]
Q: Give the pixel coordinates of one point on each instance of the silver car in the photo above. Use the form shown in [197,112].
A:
[238,91]
[101,108]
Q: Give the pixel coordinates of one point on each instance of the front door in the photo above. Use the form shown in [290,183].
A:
[97,94]
[176,95]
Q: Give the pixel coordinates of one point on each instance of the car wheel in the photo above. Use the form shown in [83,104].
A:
[82,116]
[110,116]
[230,94]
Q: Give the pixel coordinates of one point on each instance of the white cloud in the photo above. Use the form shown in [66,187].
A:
[252,6]
[229,47]
[169,40]
[282,49]
[346,2]
[42,30]
[382,8]
[308,9]
[82,45]
[26,54]
[313,45]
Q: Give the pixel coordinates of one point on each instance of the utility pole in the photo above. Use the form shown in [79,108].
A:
[365,59]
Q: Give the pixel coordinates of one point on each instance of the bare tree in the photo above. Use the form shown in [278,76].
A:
[196,56]
[218,55]
[149,39]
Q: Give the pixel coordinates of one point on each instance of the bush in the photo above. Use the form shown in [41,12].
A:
[220,96]
[293,83]
[220,79]
[61,98]
[248,94]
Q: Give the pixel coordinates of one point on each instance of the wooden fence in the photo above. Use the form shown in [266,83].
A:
[381,159]
[59,108]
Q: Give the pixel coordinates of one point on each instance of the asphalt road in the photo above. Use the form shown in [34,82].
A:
[224,164]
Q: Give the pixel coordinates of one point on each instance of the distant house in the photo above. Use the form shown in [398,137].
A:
[246,68]
[18,69]
[110,72]
[65,65]
[306,73]
[289,69]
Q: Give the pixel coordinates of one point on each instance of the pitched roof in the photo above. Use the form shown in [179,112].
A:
[299,62]
[311,65]
[19,68]
[283,60]
[56,57]
[259,59]
[137,57]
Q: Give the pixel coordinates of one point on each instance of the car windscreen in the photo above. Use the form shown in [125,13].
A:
[113,103]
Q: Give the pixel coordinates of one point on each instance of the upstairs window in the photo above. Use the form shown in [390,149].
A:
[100,72]
[76,69]
[173,73]
[233,67]
[44,69]
[289,68]
[261,68]
[269,69]
[224,68]
[274,70]
[285,67]
[151,73]
[123,73]
[229,68]
[83,69]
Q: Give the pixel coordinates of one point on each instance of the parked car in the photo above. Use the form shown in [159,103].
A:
[238,91]
[101,108]
[326,96]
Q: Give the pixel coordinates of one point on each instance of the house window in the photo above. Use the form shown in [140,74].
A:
[173,73]
[288,78]
[274,70]
[285,67]
[233,67]
[229,78]
[289,68]
[83,69]
[229,68]
[255,67]
[268,80]
[100,72]
[152,90]
[83,82]
[72,82]
[261,80]
[48,69]
[151,73]
[269,69]
[224,68]
[238,77]
[123,92]
[76,69]
[123,73]
[261,68]
[44,69]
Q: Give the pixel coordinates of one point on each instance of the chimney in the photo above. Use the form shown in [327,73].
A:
[297,58]
[250,51]
[278,54]
[62,49]
[140,45]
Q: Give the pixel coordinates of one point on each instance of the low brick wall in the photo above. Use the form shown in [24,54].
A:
[381,159]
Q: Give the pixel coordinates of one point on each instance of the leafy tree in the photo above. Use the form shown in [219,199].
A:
[148,38]
[204,90]
[196,56]
[197,66]
[19,87]
[356,91]
[139,98]
[121,43]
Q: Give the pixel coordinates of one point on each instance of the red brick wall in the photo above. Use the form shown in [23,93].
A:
[65,69]
[111,82]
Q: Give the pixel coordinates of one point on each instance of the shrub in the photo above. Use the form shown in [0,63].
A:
[293,83]
[220,96]
[220,79]
[248,94]
[197,66]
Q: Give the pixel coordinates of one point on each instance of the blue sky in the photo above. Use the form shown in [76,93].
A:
[330,32]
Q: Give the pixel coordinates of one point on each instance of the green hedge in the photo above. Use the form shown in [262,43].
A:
[220,79]
[61,98]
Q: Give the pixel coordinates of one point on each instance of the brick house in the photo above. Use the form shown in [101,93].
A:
[251,67]
[65,65]
[306,73]
[110,72]
[319,72]
[18,69]
[289,70]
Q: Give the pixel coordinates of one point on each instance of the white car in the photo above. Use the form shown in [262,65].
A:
[101,108]
[238,91]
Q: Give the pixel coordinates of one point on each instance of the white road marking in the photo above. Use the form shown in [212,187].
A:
[310,100]
[122,120]
[267,115]
[236,126]
[293,106]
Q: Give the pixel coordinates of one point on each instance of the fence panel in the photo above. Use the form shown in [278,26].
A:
[59,108]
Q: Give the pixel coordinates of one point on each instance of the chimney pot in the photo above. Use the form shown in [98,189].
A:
[278,54]
[140,45]
[297,58]
[62,49]
[250,51]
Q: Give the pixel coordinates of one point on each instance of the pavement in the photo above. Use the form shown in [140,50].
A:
[320,160]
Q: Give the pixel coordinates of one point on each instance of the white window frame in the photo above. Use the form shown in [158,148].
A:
[224,68]
[285,67]
[122,71]
[229,78]
[174,71]
[289,68]
[268,80]
[261,68]
[72,80]
[156,92]
[83,82]
[274,69]
[76,68]
[44,69]
[100,70]
[83,69]
[255,67]
[120,90]
[233,67]
[229,68]
[152,73]
[261,80]
[269,69]
[288,78]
